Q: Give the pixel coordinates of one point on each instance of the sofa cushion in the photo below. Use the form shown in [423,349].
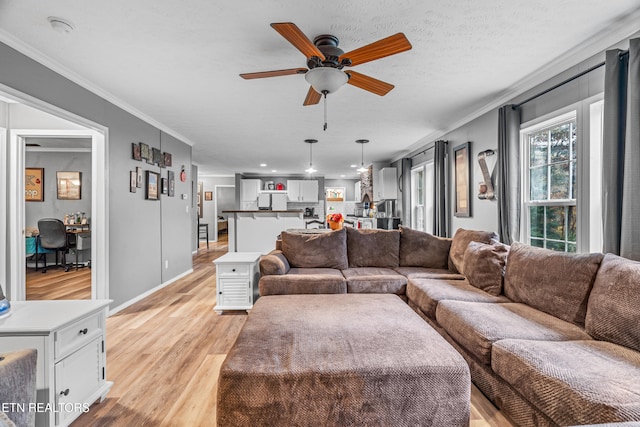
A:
[426,293]
[373,248]
[304,281]
[557,283]
[476,326]
[374,280]
[420,249]
[573,382]
[274,263]
[613,313]
[459,244]
[324,250]
[484,266]
[428,273]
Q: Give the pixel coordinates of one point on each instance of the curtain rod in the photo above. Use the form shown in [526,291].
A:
[564,82]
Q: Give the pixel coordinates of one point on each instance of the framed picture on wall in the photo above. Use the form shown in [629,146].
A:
[145,152]
[133,181]
[158,159]
[135,150]
[165,185]
[172,183]
[461,158]
[139,178]
[168,160]
[69,185]
[208,195]
[153,179]
[34,184]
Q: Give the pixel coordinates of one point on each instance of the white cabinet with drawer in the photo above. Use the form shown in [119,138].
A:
[237,275]
[70,339]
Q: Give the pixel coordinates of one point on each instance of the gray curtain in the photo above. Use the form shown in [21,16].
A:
[440,206]
[508,167]
[621,153]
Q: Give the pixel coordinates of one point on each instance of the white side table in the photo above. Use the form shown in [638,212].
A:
[237,275]
[71,367]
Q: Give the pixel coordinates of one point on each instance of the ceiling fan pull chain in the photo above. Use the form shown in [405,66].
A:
[325,111]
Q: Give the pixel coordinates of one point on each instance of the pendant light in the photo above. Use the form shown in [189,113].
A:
[311,142]
[362,142]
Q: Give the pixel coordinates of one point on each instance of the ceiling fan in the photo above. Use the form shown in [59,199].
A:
[325,61]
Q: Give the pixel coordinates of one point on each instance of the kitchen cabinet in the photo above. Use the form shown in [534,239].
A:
[237,275]
[71,366]
[387,184]
[249,189]
[302,190]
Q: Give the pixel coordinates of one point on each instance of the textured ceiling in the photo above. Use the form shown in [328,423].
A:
[177,63]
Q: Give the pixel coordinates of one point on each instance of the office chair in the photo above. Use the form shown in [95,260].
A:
[53,235]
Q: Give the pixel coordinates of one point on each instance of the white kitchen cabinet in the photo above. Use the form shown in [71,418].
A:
[249,189]
[237,276]
[387,184]
[69,337]
[302,190]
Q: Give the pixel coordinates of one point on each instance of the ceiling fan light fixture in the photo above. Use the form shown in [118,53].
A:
[326,79]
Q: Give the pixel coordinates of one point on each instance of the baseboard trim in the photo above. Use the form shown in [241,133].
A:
[149,292]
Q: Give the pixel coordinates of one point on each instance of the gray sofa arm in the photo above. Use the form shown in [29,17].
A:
[274,263]
[18,385]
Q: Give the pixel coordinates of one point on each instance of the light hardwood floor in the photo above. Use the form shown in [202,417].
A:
[58,284]
[164,354]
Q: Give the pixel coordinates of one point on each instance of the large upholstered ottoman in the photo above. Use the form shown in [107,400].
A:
[341,360]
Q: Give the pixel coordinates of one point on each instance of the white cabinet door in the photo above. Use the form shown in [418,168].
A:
[249,189]
[293,190]
[309,191]
[388,186]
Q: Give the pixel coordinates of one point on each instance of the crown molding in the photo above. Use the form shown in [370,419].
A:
[34,54]
[617,33]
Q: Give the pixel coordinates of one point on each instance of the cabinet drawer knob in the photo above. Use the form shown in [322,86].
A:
[64,392]
[83,331]
[233,269]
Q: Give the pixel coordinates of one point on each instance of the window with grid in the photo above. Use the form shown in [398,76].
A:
[550,198]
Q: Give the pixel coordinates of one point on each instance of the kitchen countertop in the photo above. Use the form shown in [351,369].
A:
[264,211]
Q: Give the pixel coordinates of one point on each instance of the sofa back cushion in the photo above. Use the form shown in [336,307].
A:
[420,249]
[557,283]
[613,312]
[373,248]
[325,250]
[459,244]
[484,266]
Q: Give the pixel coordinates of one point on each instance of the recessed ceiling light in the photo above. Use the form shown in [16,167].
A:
[354,166]
[60,25]
[342,176]
[263,165]
[274,170]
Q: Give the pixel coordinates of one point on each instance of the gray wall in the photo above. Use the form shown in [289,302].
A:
[136,238]
[51,207]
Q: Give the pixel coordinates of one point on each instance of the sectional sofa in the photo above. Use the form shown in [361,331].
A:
[552,339]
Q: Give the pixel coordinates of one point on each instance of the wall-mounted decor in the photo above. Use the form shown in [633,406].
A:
[485,188]
[145,152]
[139,178]
[34,184]
[208,195]
[199,200]
[172,183]
[69,185]
[158,159]
[135,150]
[462,184]
[165,185]
[152,185]
[168,160]
[183,174]
[133,181]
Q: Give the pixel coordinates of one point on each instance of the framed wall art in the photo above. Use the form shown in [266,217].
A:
[208,195]
[145,152]
[168,160]
[461,158]
[133,181]
[165,185]
[139,177]
[135,151]
[158,159]
[153,179]
[34,184]
[69,185]
[172,183]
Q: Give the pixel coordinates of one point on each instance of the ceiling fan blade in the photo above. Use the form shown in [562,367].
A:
[274,73]
[385,47]
[296,37]
[312,98]
[369,83]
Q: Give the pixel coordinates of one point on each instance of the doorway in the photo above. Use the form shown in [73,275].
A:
[225,199]
[14,154]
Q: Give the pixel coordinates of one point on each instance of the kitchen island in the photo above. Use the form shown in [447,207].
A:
[257,230]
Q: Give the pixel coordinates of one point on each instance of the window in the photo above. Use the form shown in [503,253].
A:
[561,176]
[422,197]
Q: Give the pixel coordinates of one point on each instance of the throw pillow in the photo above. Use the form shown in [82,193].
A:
[484,266]
[373,248]
[557,283]
[420,249]
[459,244]
[325,250]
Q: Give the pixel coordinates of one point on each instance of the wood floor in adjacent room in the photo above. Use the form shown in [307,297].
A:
[164,354]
